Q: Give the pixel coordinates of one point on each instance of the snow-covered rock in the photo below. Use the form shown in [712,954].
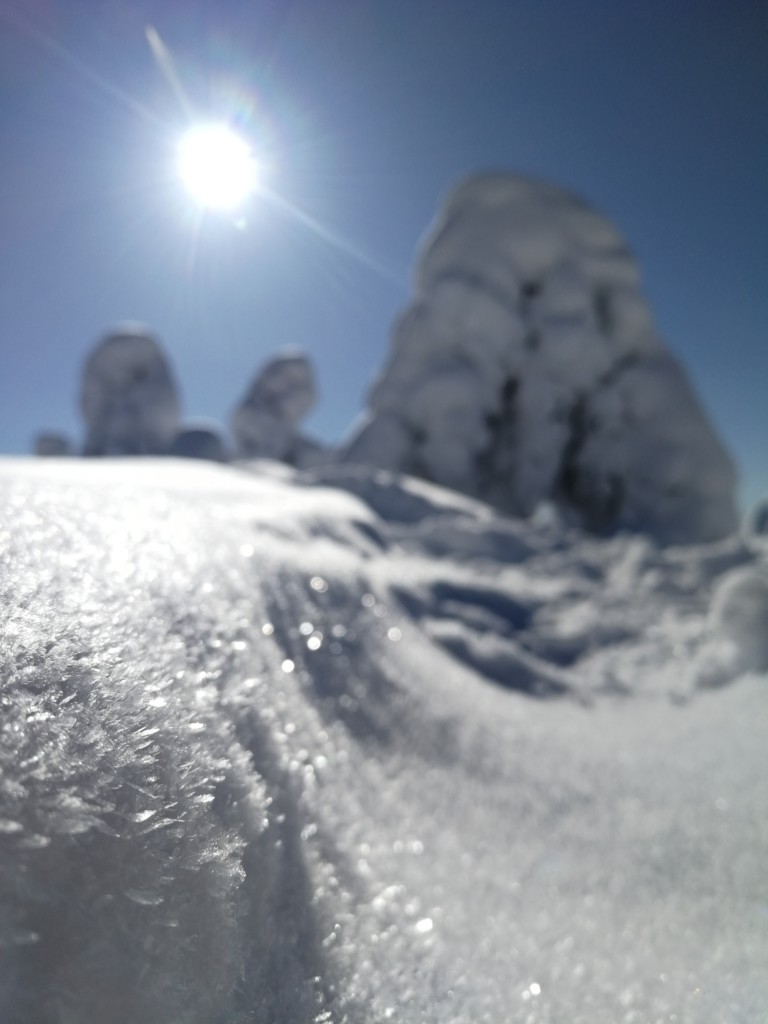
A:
[268,753]
[265,423]
[128,397]
[527,369]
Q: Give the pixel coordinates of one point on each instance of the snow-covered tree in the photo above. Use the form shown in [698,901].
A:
[527,368]
[128,397]
[265,423]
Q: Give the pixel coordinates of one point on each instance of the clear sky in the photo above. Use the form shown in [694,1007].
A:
[365,112]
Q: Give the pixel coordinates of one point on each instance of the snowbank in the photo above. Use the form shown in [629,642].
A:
[527,368]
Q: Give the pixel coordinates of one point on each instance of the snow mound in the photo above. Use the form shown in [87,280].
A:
[269,753]
[527,368]
[266,420]
[128,397]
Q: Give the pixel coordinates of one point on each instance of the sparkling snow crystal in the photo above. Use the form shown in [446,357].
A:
[527,368]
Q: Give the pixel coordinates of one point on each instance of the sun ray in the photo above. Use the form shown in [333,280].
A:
[334,238]
[66,56]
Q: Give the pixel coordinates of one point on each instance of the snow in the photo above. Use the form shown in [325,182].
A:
[128,397]
[526,372]
[527,368]
[739,615]
[341,745]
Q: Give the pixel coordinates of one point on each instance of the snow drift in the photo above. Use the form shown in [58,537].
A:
[527,368]
[342,746]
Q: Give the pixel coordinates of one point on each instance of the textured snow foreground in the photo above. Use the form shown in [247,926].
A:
[256,763]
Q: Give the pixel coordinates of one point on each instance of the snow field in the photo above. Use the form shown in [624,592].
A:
[343,746]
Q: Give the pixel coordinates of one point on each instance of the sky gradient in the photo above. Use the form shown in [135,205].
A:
[365,112]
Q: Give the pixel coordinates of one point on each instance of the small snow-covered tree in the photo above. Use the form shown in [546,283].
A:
[128,396]
[265,423]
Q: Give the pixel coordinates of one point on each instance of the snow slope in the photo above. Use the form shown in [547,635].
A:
[343,746]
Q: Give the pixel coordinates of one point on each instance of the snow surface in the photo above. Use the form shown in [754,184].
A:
[527,368]
[343,746]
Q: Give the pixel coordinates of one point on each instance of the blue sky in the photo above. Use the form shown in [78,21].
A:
[365,112]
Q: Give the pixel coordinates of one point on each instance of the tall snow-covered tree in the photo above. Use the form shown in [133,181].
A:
[528,368]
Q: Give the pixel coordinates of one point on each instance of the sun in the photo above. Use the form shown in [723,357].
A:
[216,166]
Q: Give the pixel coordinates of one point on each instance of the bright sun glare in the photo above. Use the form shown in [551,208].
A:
[217,166]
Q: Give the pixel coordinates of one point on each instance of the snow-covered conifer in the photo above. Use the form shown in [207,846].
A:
[527,368]
[128,397]
[265,423]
